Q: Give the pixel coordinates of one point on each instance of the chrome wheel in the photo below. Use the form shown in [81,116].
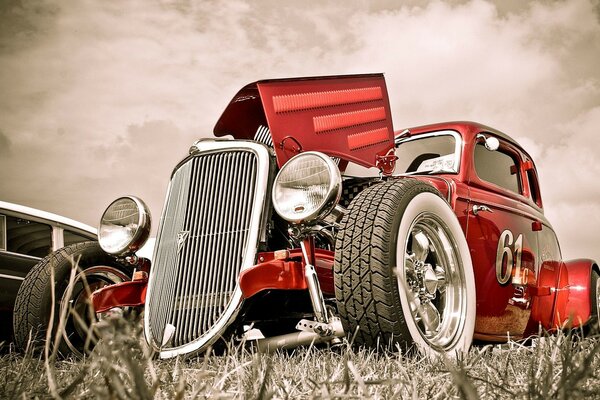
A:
[597,299]
[433,281]
[77,328]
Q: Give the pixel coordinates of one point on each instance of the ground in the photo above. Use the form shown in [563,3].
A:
[556,366]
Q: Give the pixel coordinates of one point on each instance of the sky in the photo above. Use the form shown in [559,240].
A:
[102,98]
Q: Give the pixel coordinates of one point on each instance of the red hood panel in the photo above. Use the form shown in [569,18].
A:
[343,116]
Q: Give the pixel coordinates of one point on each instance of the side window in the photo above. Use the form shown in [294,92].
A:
[28,237]
[497,167]
[72,238]
[427,154]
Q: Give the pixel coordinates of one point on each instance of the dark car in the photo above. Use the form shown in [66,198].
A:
[26,236]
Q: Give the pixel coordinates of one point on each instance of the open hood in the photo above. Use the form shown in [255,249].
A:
[342,116]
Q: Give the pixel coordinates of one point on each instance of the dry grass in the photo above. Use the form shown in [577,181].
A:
[122,367]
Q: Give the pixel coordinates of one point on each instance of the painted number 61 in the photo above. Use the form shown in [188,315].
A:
[505,251]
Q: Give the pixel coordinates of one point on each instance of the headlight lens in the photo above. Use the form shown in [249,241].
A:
[307,187]
[124,226]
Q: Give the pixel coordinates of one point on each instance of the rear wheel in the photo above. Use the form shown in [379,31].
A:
[403,272]
[95,269]
[594,325]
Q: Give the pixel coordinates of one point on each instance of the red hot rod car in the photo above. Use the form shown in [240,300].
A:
[316,220]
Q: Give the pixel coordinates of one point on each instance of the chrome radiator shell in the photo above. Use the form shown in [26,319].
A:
[209,231]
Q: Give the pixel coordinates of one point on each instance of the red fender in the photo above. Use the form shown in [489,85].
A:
[124,294]
[573,301]
[274,274]
[286,273]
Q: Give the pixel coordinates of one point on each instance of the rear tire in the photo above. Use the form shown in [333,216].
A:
[593,326]
[33,305]
[403,273]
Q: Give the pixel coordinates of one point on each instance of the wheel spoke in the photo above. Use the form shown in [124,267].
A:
[409,262]
[409,266]
[441,278]
[430,316]
[414,303]
[420,246]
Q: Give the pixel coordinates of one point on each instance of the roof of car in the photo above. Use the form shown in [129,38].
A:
[34,212]
[476,127]
[469,127]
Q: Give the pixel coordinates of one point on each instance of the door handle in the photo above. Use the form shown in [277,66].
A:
[477,208]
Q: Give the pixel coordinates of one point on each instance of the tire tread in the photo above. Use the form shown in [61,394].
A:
[364,279]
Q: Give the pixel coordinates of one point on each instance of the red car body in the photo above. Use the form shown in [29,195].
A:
[557,293]
[521,281]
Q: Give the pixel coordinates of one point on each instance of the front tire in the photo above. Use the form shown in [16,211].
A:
[403,273]
[33,305]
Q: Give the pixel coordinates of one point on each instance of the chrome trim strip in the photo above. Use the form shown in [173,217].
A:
[16,278]
[248,253]
[12,253]
[3,233]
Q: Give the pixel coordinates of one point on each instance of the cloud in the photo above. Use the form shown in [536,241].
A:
[101,99]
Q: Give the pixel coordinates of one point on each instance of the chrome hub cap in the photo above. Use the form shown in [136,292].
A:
[434,281]
[430,281]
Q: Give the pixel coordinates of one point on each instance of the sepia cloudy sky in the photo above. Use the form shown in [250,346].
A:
[101,98]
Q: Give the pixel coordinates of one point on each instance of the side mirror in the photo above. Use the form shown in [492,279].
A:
[490,142]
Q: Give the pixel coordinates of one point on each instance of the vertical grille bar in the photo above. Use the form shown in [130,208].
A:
[210,213]
[172,225]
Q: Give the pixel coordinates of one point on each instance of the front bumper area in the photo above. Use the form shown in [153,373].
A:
[286,273]
[124,294]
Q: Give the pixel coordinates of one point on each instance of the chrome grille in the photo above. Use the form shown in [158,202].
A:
[208,234]
[263,135]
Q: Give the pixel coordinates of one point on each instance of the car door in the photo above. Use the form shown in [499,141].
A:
[549,259]
[503,241]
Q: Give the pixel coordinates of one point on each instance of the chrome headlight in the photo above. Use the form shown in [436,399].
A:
[307,187]
[124,226]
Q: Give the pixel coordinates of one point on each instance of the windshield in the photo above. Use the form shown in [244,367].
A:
[431,153]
